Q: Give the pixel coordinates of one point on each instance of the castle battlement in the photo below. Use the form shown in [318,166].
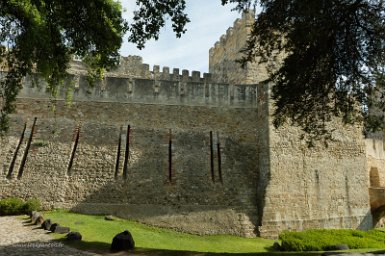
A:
[233,33]
[224,55]
[174,89]
[133,67]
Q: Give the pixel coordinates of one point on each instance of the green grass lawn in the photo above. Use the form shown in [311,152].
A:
[98,233]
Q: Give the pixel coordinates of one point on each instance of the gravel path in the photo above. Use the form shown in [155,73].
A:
[19,238]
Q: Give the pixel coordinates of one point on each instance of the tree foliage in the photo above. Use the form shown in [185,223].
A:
[334,65]
[151,17]
[42,35]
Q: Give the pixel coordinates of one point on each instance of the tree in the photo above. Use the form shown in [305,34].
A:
[334,65]
[151,17]
[41,36]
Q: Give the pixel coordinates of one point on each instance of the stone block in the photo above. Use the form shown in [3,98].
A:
[35,216]
[74,236]
[60,230]
[46,225]
[123,242]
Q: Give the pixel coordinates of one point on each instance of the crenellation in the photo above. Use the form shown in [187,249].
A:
[145,71]
[223,40]
[191,90]
[248,17]
[156,69]
[196,76]
[229,32]
[237,24]
[166,74]
[175,73]
[166,70]
[185,75]
[225,55]
[207,77]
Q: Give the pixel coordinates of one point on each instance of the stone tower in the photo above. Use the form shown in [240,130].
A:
[298,187]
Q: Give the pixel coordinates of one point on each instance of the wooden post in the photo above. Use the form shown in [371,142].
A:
[219,159]
[118,153]
[24,159]
[170,157]
[212,157]
[77,136]
[127,153]
[9,176]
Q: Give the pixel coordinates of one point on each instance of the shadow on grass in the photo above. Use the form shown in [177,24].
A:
[104,249]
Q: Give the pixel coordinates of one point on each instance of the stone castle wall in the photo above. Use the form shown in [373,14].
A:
[271,181]
[310,188]
[177,90]
[224,57]
[189,201]
[298,187]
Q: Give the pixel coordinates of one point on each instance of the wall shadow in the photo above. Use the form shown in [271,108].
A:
[264,168]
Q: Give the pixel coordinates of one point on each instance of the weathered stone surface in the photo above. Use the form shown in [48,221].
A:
[74,236]
[123,242]
[35,217]
[53,227]
[39,220]
[341,247]
[109,217]
[60,229]
[46,225]
[32,213]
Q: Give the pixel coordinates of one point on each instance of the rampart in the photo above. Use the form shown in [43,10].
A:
[162,88]
[203,180]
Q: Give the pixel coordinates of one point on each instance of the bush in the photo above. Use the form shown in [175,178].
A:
[15,206]
[11,206]
[31,205]
[323,240]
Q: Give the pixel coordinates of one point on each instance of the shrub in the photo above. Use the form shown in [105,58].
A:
[11,206]
[31,205]
[321,240]
[14,206]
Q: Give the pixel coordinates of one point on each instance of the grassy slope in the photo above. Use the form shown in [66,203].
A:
[98,232]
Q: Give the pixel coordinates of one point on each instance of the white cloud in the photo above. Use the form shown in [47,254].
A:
[209,20]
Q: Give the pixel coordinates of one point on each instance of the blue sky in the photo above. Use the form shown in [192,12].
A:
[209,20]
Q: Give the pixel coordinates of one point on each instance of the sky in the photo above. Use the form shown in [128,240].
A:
[209,20]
